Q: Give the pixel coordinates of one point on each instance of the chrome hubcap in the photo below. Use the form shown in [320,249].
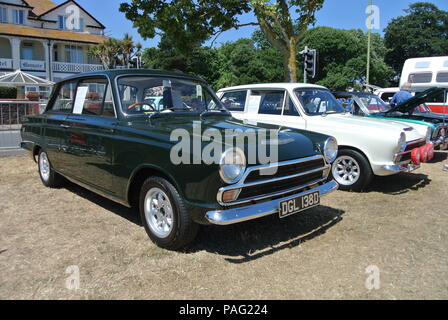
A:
[346,170]
[158,212]
[44,166]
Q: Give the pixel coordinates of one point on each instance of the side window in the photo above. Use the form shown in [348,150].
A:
[290,108]
[94,97]
[271,102]
[235,100]
[64,99]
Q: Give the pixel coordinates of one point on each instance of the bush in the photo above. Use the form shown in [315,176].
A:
[8,92]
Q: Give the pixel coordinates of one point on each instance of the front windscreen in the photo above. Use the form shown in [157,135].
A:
[318,101]
[149,94]
[374,104]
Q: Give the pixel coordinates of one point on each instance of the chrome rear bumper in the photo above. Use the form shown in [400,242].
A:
[236,215]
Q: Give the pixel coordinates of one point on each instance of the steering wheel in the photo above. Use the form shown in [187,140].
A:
[132,106]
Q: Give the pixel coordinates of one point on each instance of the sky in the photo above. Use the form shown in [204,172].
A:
[344,14]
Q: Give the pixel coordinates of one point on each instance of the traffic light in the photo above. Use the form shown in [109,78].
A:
[311,63]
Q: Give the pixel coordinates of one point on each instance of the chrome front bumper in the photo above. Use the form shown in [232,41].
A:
[400,167]
[236,215]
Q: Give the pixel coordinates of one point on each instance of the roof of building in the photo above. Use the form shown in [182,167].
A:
[16,30]
[40,6]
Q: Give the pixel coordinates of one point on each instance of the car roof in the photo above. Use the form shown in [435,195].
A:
[113,73]
[280,85]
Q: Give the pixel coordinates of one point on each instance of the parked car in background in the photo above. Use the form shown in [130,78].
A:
[102,131]
[414,111]
[386,94]
[428,72]
[367,147]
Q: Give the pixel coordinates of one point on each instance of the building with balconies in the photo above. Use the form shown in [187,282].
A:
[47,40]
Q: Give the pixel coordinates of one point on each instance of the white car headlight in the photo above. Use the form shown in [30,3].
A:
[330,149]
[232,165]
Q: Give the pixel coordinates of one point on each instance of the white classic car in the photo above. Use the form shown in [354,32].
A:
[367,146]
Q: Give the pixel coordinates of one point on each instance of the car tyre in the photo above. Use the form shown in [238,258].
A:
[48,176]
[164,215]
[351,170]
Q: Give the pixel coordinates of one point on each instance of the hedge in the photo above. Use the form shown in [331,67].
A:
[8,92]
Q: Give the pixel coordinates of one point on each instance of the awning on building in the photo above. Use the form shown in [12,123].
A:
[22,79]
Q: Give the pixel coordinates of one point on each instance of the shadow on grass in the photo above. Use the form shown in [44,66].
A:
[439,156]
[245,241]
[254,239]
[399,183]
[118,209]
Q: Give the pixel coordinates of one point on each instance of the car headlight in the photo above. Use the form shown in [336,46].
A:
[232,165]
[330,149]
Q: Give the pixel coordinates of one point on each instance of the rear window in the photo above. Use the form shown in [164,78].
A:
[442,76]
[235,100]
[424,77]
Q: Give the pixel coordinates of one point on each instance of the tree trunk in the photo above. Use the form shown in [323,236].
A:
[290,61]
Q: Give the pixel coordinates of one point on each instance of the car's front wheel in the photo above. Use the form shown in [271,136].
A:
[164,215]
[49,177]
[351,170]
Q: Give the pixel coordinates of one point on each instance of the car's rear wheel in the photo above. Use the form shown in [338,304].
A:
[351,170]
[49,177]
[164,215]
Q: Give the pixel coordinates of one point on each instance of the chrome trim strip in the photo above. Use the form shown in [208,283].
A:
[400,168]
[274,194]
[236,215]
[241,184]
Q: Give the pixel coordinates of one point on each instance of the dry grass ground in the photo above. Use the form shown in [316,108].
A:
[399,225]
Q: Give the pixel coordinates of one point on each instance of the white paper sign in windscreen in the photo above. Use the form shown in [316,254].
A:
[254,103]
[81,95]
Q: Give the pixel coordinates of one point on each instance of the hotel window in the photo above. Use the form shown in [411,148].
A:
[74,54]
[27,51]
[4,15]
[18,16]
[61,22]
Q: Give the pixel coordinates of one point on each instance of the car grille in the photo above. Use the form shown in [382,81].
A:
[290,177]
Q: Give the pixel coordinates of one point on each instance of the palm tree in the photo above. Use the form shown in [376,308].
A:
[113,52]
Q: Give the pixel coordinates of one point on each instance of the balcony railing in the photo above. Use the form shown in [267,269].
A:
[75,67]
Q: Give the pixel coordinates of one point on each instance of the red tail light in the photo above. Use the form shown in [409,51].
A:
[416,156]
[423,154]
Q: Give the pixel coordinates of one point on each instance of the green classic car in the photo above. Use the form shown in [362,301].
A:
[125,134]
[412,111]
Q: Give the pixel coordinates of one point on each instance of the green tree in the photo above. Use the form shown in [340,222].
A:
[115,52]
[188,23]
[423,32]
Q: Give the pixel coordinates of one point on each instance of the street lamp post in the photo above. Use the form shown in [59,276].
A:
[369,40]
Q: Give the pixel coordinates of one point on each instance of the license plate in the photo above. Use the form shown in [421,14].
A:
[300,203]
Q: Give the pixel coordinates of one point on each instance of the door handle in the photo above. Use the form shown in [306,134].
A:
[65,126]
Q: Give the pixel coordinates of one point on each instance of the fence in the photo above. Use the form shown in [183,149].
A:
[11,115]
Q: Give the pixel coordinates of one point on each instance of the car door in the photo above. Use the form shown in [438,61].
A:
[56,113]
[89,134]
